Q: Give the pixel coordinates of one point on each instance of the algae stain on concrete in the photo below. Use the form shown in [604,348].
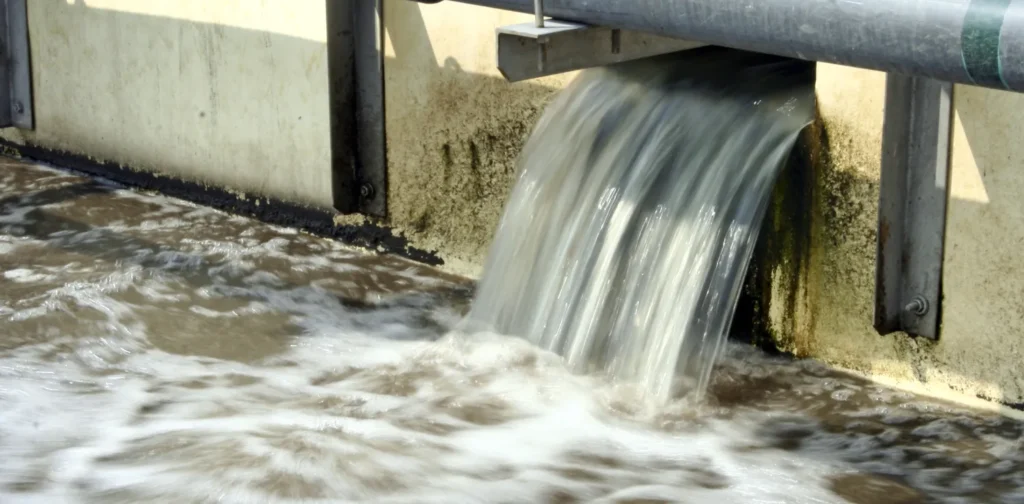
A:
[844,235]
[816,250]
[813,276]
[778,273]
[452,160]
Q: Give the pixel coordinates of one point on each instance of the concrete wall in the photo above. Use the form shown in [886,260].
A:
[226,92]
[454,125]
[233,93]
[821,305]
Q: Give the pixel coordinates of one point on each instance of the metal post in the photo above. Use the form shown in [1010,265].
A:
[15,66]
[538,13]
[912,205]
[355,75]
[371,152]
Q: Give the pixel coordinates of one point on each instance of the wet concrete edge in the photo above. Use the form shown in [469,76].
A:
[1019,406]
[316,221]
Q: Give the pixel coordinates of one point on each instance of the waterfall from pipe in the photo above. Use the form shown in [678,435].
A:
[640,193]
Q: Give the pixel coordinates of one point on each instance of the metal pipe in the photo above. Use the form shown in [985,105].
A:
[978,42]
[538,12]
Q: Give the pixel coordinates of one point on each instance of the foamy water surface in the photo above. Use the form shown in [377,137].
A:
[156,351]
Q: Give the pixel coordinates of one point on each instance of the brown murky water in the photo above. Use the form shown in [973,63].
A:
[156,351]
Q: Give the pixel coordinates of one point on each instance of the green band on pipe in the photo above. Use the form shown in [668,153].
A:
[979,41]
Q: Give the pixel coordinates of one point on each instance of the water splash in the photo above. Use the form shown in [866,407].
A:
[640,193]
[155,351]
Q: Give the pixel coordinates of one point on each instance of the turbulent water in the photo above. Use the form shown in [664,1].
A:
[639,197]
[152,351]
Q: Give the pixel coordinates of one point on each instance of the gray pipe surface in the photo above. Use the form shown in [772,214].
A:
[978,42]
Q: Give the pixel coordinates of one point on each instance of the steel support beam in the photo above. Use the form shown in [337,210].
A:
[912,205]
[15,66]
[356,76]
[371,160]
[978,42]
[526,51]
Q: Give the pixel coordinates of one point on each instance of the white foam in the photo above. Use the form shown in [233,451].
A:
[229,370]
[543,414]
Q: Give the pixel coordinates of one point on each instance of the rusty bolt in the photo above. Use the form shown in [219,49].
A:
[918,306]
[366,190]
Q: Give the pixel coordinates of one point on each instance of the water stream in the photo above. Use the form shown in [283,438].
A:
[639,199]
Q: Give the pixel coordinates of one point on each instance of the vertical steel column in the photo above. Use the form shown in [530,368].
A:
[15,66]
[912,205]
[371,152]
[356,75]
[341,103]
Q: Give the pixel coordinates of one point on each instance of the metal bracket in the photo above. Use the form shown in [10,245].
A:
[527,51]
[912,205]
[15,66]
[356,75]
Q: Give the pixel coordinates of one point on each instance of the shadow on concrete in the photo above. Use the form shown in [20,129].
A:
[983,283]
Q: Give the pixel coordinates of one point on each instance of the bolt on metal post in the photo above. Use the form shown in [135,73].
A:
[366,190]
[917,306]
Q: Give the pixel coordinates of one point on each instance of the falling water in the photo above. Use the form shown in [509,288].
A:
[639,197]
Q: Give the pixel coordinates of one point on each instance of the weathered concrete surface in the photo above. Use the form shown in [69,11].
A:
[234,94]
[231,93]
[984,281]
[454,126]
[823,308]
